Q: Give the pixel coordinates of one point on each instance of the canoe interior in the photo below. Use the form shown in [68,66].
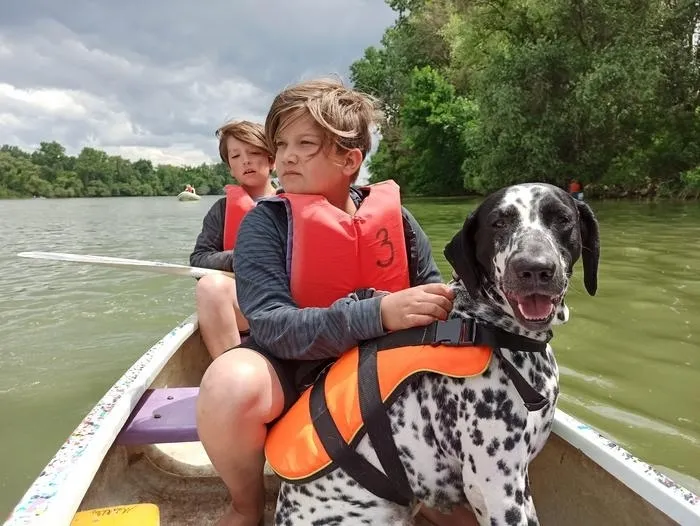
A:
[568,488]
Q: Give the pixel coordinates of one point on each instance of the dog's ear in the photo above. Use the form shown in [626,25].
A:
[460,252]
[590,249]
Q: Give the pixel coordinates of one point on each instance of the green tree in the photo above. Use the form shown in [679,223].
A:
[50,172]
[607,92]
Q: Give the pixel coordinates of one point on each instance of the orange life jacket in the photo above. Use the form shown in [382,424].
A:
[293,448]
[334,253]
[574,187]
[238,204]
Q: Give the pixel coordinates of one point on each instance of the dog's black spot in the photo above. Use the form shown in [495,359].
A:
[483,411]
[519,497]
[513,516]
[477,437]
[305,491]
[335,520]
[493,446]
[518,359]
[472,464]
[503,467]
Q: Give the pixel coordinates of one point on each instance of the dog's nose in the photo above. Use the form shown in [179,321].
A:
[534,270]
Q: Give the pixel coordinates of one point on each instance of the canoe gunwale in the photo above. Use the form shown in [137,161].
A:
[662,492]
[50,500]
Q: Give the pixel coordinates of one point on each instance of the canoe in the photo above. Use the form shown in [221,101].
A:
[188,196]
[137,450]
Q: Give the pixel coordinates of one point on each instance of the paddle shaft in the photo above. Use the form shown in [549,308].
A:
[130,264]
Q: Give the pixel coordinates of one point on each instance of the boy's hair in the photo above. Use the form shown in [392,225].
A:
[345,116]
[245,131]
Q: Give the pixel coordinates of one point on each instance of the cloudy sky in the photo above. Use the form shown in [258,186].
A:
[152,79]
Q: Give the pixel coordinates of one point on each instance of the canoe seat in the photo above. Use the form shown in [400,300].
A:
[162,416]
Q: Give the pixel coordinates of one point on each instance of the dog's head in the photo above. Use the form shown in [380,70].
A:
[517,250]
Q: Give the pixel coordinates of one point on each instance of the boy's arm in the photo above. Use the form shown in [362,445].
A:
[276,323]
[209,248]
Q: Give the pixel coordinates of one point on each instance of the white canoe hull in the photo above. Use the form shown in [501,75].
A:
[188,196]
[580,477]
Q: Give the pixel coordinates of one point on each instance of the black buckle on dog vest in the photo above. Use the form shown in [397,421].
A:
[454,332]
[392,484]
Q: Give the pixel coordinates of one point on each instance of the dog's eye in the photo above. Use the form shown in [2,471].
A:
[499,223]
[563,220]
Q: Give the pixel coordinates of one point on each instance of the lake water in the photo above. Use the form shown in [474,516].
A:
[629,357]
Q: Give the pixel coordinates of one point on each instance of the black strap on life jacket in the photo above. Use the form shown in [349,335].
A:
[392,484]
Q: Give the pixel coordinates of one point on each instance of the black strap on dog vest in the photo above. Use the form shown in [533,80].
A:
[376,420]
[466,332]
[346,457]
[393,484]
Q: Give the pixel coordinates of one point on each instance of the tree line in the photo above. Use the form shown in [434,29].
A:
[49,172]
[479,94]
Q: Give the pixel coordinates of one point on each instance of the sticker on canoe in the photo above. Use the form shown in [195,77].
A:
[128,515]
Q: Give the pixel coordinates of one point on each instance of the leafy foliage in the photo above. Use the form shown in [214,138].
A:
[49,172]
[493,92]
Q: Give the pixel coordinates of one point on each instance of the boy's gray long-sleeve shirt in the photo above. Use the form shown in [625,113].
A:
[276,323]
[209,248]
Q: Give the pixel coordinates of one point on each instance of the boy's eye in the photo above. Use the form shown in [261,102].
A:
[235,156]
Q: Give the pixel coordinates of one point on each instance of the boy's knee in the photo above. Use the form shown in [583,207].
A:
[214,286]
[234,386]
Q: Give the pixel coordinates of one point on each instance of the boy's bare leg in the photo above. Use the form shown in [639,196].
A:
[459,517]
[220,318]
[239,394]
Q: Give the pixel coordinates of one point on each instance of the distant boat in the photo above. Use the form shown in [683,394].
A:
[188,196]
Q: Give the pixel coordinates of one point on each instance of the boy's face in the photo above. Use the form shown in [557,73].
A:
[304,166]
[248,164]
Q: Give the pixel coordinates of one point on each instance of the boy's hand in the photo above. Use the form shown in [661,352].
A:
[416,306]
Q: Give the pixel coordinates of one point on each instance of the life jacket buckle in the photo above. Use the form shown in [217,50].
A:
[456,332]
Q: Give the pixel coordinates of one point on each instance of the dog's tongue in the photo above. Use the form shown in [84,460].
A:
[535,306]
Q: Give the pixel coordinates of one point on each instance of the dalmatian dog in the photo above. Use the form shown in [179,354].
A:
[468,442]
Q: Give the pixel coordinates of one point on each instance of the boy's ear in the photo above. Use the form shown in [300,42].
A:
[353,161]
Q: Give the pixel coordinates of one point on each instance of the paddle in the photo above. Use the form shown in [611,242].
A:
[131,264]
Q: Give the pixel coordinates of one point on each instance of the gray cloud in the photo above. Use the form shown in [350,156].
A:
[155,79]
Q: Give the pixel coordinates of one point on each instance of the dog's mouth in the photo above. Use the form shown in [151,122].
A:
[533,311]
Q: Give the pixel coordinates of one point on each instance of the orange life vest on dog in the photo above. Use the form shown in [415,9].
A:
[293,448]
[334,253]
[238,204]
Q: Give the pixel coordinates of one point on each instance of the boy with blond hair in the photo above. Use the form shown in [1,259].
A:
[307,293]
[243,148]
